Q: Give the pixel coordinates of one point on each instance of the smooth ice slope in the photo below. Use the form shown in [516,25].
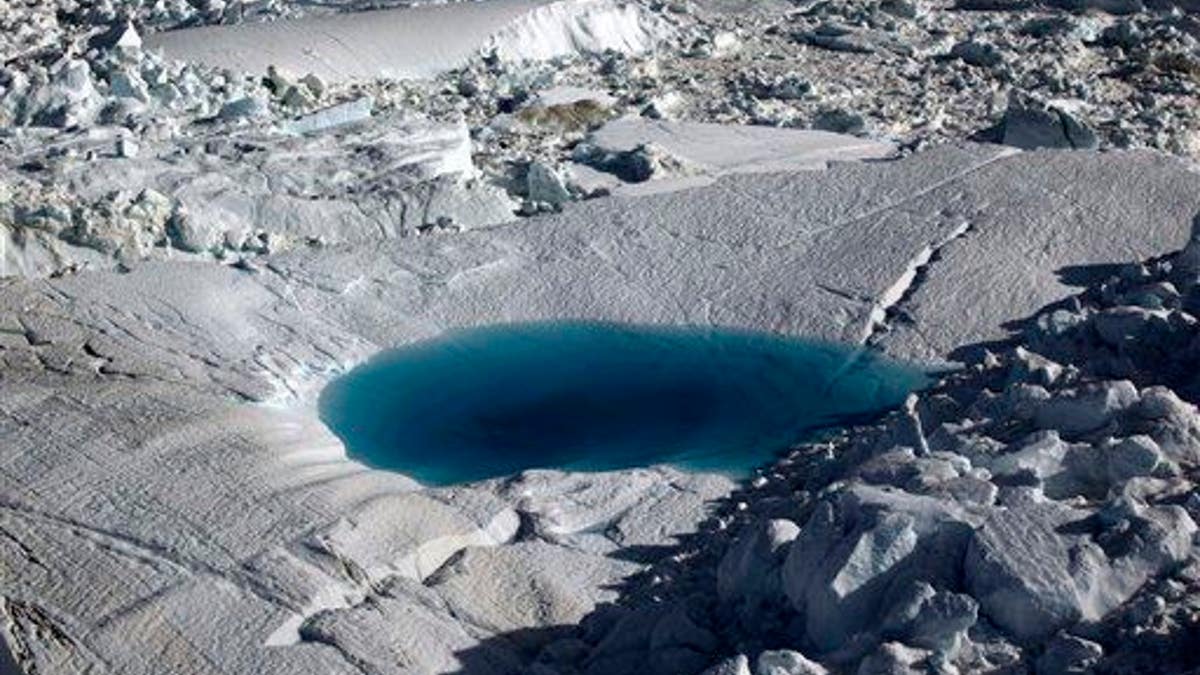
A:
[494,401]
[699,152]
[419,42]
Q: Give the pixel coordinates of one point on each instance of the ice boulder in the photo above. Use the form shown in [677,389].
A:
[1173,423]
[242,108]
[68,99]
[192,234]
[749,571]
[1133,457]
[349,112]
[861,547]
[1034,368]
[786,662]
[931,619]
[1039,456]
[546,185]
[895,658]
[1085,409]
[1069,654]
[1029,125]
[1019,569]
[1043,566]
[734,665]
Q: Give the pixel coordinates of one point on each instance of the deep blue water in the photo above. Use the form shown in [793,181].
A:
[493,401]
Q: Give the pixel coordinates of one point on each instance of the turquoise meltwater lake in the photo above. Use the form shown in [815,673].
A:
[587,396]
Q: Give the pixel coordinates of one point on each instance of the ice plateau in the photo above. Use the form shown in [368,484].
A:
[420,42]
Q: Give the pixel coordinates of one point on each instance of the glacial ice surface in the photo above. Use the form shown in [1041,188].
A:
[419,42]
[493,401]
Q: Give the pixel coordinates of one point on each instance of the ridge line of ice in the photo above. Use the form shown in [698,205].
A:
[570,27]
[419,42]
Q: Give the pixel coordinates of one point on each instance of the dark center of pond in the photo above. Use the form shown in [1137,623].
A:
[494,401]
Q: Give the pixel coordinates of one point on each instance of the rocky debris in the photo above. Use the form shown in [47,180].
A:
[859,554]
[967,63]
[852,552]
[121,85]
[1029,125]
[337,182]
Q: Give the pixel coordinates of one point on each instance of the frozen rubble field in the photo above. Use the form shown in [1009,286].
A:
[215,196]
[354,178]
[178,507]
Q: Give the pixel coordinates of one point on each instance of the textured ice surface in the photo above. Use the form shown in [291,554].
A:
[120,387]
[688,154]
[583,395]
[418,42]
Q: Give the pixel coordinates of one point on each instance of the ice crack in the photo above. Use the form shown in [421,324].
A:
[890,303]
